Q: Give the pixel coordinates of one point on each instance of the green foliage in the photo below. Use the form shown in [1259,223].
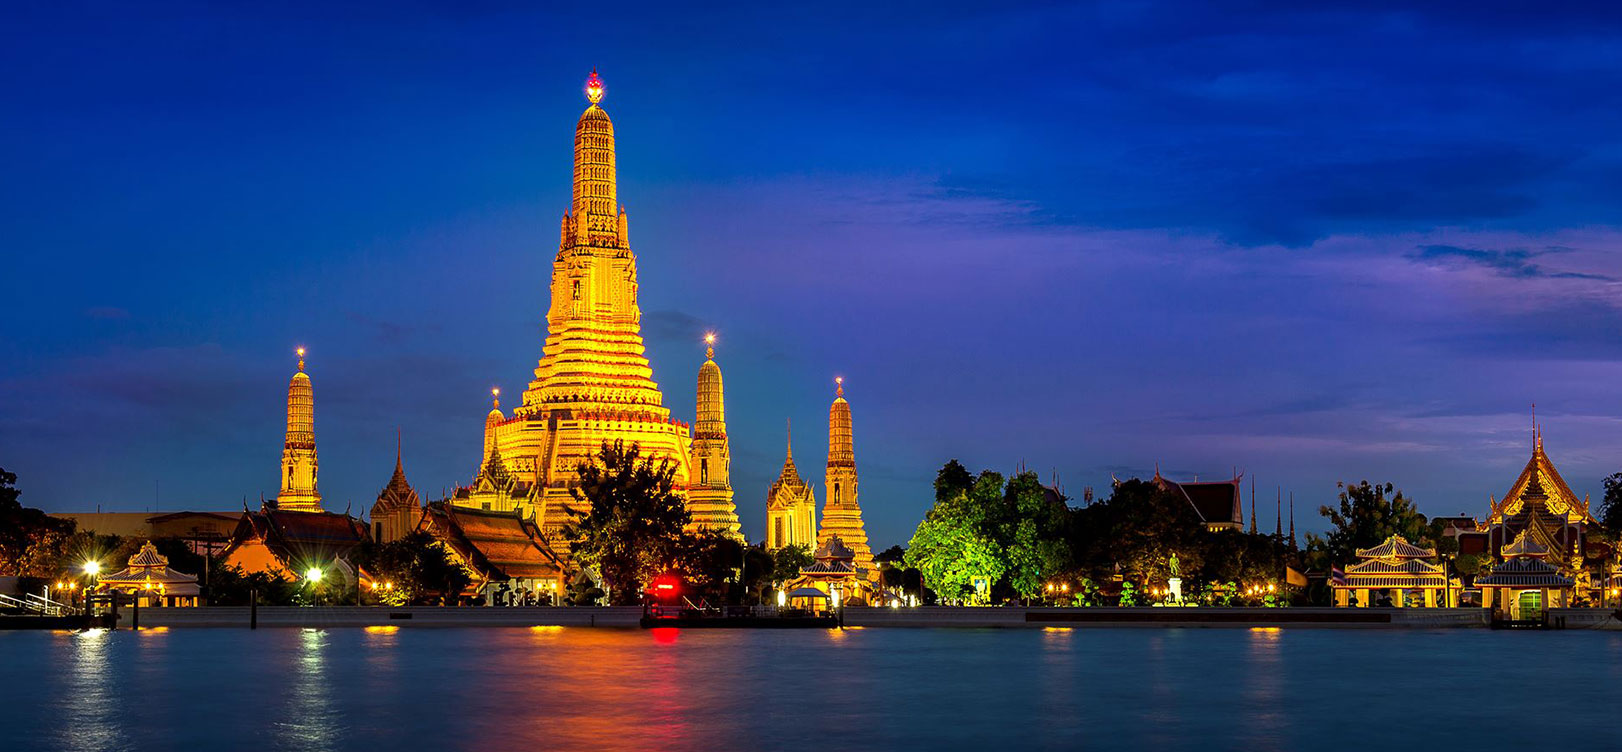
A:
[32,543]
[1138,528]
[1365,517]
[419,567]
[230,586]
[759,566]
[711,565]
[630,527]
[788,561]
[1129,595]
[1009,534]
[1611,505]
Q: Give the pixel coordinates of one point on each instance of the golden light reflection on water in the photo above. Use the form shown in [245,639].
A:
[310,720]
[89,697]
[1263,687]
[382,630]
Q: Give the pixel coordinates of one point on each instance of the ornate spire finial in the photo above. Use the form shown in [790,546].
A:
[709,345]
[839,386]
[300,351]
[399,446]
[495,398]
[791,438]
[594,87]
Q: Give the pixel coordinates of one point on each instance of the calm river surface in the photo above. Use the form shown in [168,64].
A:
[562,688]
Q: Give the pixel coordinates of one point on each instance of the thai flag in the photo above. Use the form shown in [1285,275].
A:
[1337,576]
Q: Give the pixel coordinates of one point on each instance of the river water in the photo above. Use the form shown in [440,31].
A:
[555,688]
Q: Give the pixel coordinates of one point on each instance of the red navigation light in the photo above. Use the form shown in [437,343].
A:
[664,584]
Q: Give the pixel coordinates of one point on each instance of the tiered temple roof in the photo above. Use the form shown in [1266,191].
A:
[149,570]
[495,546]
[1395,563]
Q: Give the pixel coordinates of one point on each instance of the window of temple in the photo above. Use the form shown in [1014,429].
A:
[704,471]
[778,539]
[836,493]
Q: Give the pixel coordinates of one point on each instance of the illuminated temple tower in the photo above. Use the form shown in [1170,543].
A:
[709,497]
[841,515]
[791,508]
[593,382]
[299,463]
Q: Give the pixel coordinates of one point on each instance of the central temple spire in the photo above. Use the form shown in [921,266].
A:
[299,463]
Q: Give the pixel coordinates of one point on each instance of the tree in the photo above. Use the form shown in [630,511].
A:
[630,527]
[789,561]
[1365,517]
[32,543]
[420,569]
[711,564]
[1611,506]
[954,546]
[759,567]
[1137,529]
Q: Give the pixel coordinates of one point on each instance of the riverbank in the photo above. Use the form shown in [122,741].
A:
[921,617]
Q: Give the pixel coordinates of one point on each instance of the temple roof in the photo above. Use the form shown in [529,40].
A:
[1524,545]
[398,493]
[1538,478]
[1393,566]
[834,549]
[1525,572]
[497,545]
[297,537]
[1218,501]
[1396,547]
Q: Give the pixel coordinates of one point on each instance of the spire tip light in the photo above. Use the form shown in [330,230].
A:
[594,87]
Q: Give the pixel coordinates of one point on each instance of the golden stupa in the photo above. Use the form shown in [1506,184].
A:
[593,383]
[841,514]
[299,463]
[709,496]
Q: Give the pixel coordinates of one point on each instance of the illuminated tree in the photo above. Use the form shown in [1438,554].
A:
[32,543]
[630,527]
[1365,517]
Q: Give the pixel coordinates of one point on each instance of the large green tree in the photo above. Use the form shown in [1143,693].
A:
[32,543]
[1367,514]
[630,523]
[1008,533]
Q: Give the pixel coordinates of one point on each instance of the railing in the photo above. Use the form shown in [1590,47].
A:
[36,604]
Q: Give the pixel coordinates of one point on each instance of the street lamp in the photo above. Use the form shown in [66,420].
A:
[313,575]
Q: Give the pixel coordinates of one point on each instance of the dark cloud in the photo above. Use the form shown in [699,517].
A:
[1517,262]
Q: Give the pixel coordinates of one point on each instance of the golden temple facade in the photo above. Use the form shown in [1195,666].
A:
[709,496]
[593,383]
[841,512]
[299,462]
[791,508]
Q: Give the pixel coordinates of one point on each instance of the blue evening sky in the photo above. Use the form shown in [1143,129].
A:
[1311,241]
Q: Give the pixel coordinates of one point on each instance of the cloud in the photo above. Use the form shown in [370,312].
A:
[1515,262]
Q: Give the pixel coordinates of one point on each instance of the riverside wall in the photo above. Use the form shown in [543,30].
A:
[920,617]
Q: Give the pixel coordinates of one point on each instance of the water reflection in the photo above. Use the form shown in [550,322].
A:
[310,720]
[89,718]
[1264,699]
[578,688]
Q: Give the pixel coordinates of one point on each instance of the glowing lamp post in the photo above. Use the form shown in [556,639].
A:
[313,575]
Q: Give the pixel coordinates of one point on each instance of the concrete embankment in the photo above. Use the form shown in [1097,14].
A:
[1167,617]
[377,616]
[921,617]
